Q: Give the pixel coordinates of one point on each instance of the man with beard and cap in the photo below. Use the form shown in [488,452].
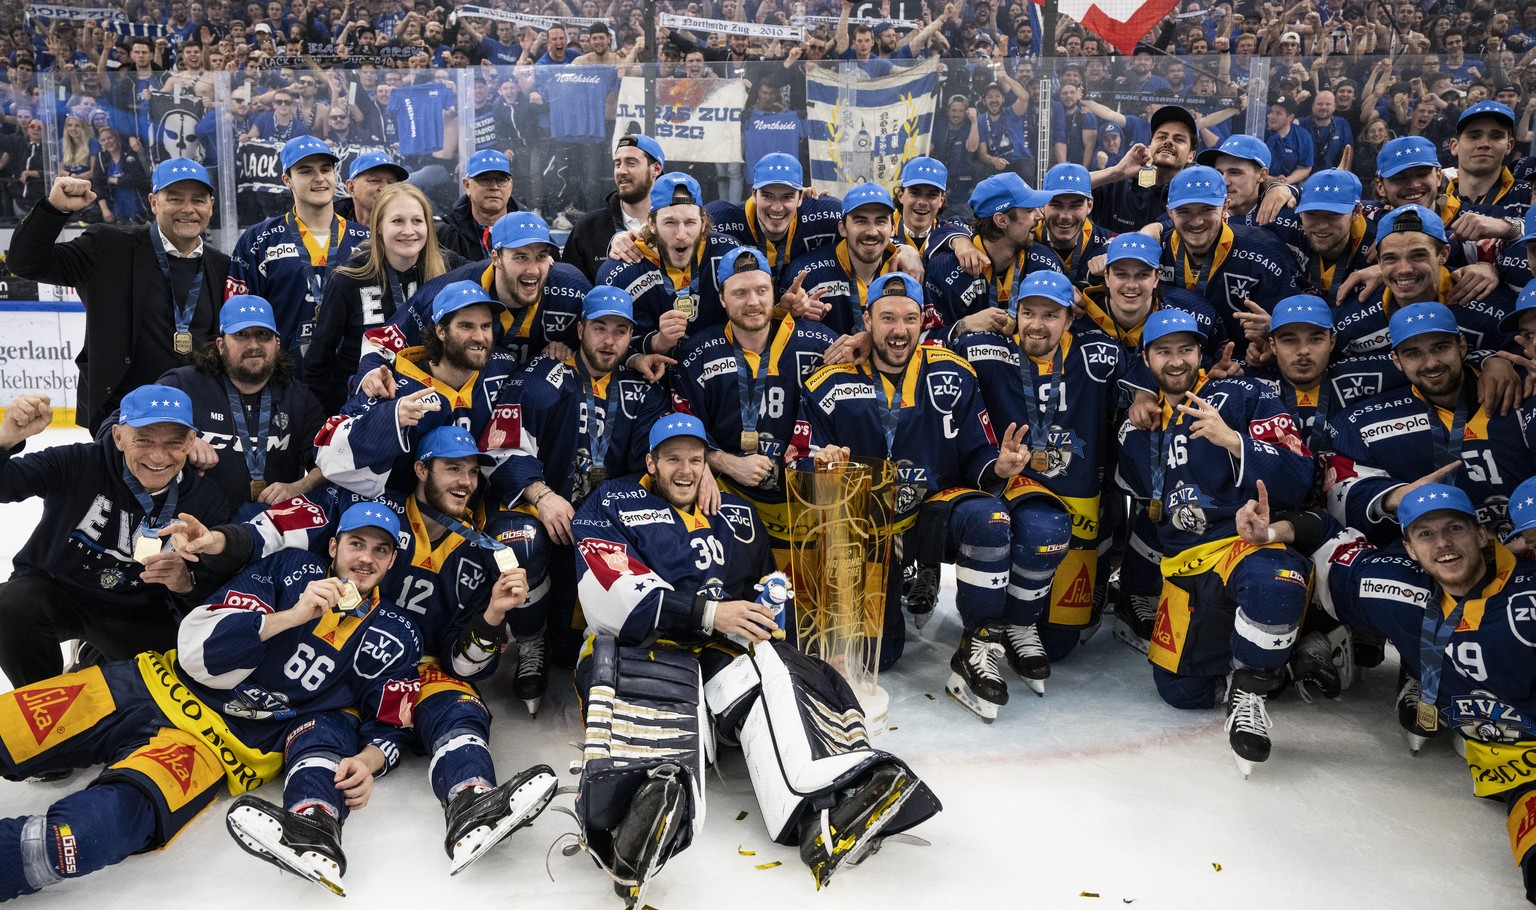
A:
[1328,231]
[637,162]
[1066,224]
[1134,192]
[256,422]
[779,218]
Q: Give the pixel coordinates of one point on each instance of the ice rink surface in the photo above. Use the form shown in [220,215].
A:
[1095,796]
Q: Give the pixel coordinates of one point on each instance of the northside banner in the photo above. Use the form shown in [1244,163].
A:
[696,119]
[862,129]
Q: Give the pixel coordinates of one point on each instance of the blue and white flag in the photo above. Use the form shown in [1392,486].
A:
[863,129]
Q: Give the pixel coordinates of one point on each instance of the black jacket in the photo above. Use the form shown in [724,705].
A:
[587,246]
[460,232]
[128,311]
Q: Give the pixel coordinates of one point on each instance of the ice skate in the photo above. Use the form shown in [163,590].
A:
[532,672]
[1324,662]
[308,845]
[1370,649]
[1026,655]
[975,681]
[643,840]
[922,593]
[849,831]
[480,819]
[1134,616]
[1419,729]
[1247,720]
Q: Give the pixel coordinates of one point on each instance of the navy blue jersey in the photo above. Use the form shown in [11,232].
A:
[828,270]
[1321,276]
[1096,316]
[656,288]
[1247,264]
[815,228]
[953,293]
[1362,326]
[1092,241]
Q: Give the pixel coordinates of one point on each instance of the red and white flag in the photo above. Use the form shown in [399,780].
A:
[1120,22]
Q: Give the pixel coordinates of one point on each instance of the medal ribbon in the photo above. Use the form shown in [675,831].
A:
[255,445]
[1039,408]
[147,527]
[184,311]
[1448,444]
[598,437]
[1314,429]
[314,275]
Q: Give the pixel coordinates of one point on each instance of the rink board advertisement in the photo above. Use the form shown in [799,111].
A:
[42,327]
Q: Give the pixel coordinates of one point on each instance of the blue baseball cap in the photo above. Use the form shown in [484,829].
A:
[1238,145]
[450,441]
[1421,319]
[1198,185]
[675,425]
[894,284]
[1109,129]
[515,230]
[867,194]
[1301,309]
[1494,109]
[1530,225]
[1522,508]
[778,169]
[152,404]
[1414,219]
[1002,192]
[1162,323]
[300,147]
[1053,286]
[1332,190]
[175,170]
[1133,245]
[1433,497]
[245,311]
[645,144]
[367,161]
[605,300]
[1525,303]
[675,187]
[458,295]
[370,514]
[925,171]
[732,263]
[1404,152]
[488,161]
[1068,180]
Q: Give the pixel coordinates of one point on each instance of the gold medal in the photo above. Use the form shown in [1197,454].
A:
[181,342]
[1429,718]
[685,304]
[145,546]
[256,487]
[1146,177]
[596,476]
[1155,510]
[1039,460]
[506,560]
[749,440]
[351,599]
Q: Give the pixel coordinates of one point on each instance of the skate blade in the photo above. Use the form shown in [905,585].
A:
[869,843]
[1416,742]
[533,705]
[1244,766]
[261,835]
[1125,634]
[1087,634]
[653,865]
[1037,685]
[960,692]
[527,802]
[921,619]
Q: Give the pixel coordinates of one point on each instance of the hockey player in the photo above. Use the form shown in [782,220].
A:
[1243,163]
[830,285]
[1229,611]
[567,426]
[1332,238]
[1006,212]
[1066,225]
[1062,387]
[779,219]
[665,590]
[1449,599]
[287,258]
[269,663]
[743,380]
[459,588]
[1238,270]
[1483,186]
[1131,292]
[673,285]
[1382,445]
[454,377]
[918,406]
[919,201]
[540,298]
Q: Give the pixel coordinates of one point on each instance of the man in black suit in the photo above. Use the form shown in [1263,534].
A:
[152,293]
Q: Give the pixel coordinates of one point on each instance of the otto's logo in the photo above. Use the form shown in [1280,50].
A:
[44,708]
[242,601]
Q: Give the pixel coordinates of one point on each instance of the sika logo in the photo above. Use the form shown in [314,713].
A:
[178,761]
[44,708]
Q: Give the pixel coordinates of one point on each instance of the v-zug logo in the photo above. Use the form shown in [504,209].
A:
[944,391]
[377,652]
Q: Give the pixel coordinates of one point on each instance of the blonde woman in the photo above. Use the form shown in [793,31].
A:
[78,159]
[400,256]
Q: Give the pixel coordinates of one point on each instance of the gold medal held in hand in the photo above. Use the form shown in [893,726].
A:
[506,560]
[181,342]
[749,441]
[685,304]
[256,487]
[1429,718]
[145,546]
[1155,510]
[351,599]
[1147,176]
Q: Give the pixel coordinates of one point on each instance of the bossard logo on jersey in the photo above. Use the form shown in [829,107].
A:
[740,518]
[944,392]
[1238,289]
[633,517]
[1398,426]
[631,394]
[377,652]
[471,577]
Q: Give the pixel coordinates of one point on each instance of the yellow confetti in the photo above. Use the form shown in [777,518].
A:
[768,865]
[745,852]
[1087,894]
[892,729]
[1216,866]
[741,815]
[928,695]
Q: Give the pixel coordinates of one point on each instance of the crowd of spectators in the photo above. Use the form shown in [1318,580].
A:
[1343,77]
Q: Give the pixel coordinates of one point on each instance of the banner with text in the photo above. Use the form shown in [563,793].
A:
[862,129]
[38,352]
[696,119]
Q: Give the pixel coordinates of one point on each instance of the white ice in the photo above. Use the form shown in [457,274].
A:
[1096,795]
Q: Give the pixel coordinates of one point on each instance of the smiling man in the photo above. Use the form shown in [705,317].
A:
[1066,224]
[779,219]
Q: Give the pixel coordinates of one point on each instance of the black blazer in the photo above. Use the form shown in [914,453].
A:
[115,271]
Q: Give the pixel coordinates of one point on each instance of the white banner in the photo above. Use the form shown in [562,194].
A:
[731,27]
[866,130]
[542,23]
[38,352]
[870,21]
[696,119]
[56,11]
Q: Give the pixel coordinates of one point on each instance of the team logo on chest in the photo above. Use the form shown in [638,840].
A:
[944,392]
[1238,289]
[1186,505]
[377,651]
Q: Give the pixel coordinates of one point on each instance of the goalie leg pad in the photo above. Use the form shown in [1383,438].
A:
[804,740]
[643,710]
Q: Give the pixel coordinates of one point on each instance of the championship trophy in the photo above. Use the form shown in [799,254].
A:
[840,558]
